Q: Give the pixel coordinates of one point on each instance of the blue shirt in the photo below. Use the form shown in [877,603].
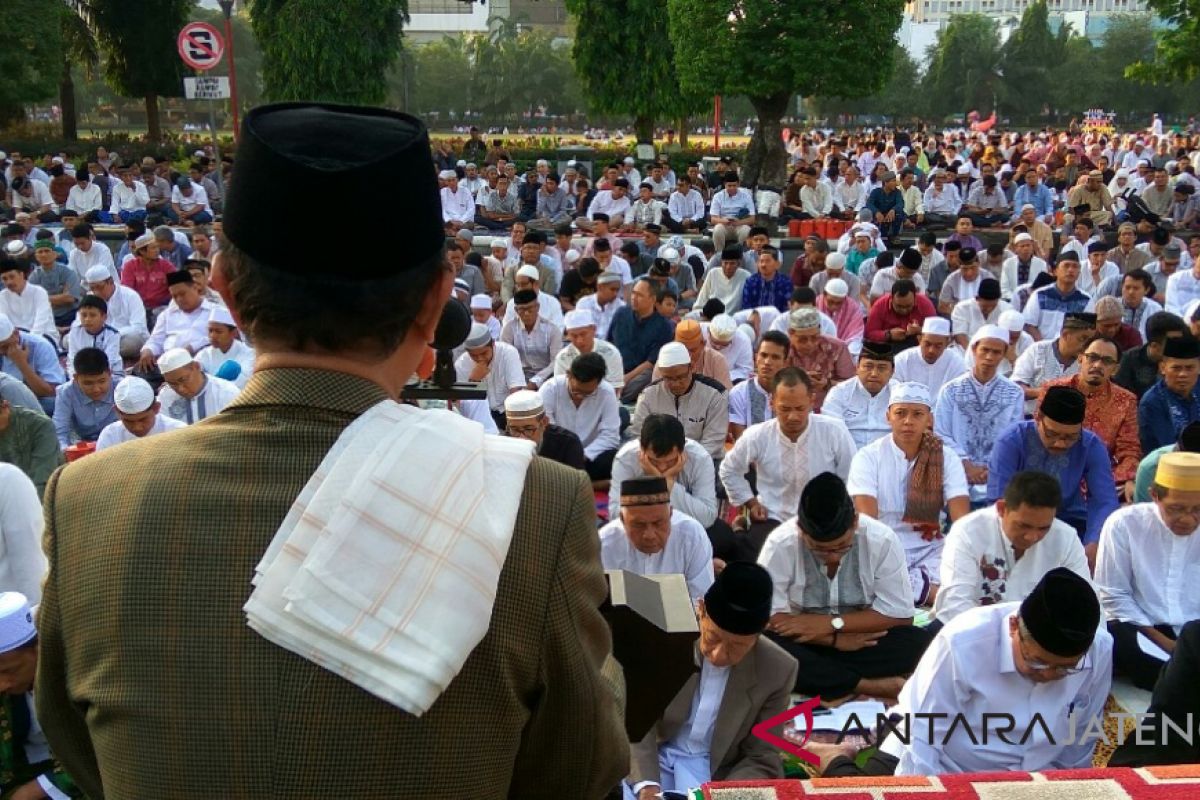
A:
[1019,448]
[880,202]
[1162,415]
[75,413]
[1040,198]
[758,292]
[44,361]
[639,340]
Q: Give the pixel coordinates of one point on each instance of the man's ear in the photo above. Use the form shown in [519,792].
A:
[219,282]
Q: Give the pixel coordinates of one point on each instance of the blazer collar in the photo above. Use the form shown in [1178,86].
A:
[311,388]
[737,698]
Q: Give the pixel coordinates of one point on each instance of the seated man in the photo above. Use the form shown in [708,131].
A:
[639,331]
[744,680]
[1043,660]
[537,340]
[88,253]
[1145,571]
[458,204]
[188,394]
[897,318]
[28,441]
[146,272]
[526,418]
[84,407]
[60,282]
[825,360]
[705,360]
[697,401]
[581,337]
[999,553]
[785,452]
[182,324]
[857,638]
[25,303]
[726,338]
[970,315]
[862,403]
[527,278]
[651,538]
[906,479]
[137,414]
[1055,442]
[1188,442]
[725,282]
[91,329]
[585,404]
[963,283]
[768,286]
[973,409]
[23,566]
[750,400]
[1056,357]
[932,363]
[1048,306]
[496,365]
[1139,369]
[226,356]
[125,310]
[1174,401]
[30,359]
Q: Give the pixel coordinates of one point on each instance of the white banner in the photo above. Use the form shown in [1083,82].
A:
[206,88]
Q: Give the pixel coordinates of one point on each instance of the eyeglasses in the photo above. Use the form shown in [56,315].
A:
[1041,666]
[1056,436]
[523,431]
[1096,358]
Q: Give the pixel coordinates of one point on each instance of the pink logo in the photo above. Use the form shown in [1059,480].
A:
[763,730]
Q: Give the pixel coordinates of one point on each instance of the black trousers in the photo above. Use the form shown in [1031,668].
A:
[831,673]
[1128,658]
[724,541]
[600,467]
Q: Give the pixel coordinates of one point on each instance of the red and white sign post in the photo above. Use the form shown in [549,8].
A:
[201,47]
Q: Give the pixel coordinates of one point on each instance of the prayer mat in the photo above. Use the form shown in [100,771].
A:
[1149,783]
[601,504]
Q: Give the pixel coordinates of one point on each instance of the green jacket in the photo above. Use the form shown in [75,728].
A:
[15,768]
[31,444]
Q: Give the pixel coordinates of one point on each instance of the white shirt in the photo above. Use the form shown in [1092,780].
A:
[215,395]
[187,202]
[979,564]
[687,552]
[737,207]
[127,313]
[1008,274]
[881,470]
[457,206]
[784,467]
[883,280]
[177,328]
[504,374]
[850,196]
[604,202]
[740,410]
[108,340]
[1048,322]
[98,254]
[85,200]
[30,310]
[211,359]
[1039,364]
[116,433]
[727,290]
[538,348]
[602,314]
[548,308]
[1145,574]
[22,563]
[1182,288]
[695,489]
[882,569]
[911,366]
[125,198]
[689,206]
[865,416]
[967,317]
[1089,286]
[739,353]
[614,367]
[596,421]
[948,201]
[969,670]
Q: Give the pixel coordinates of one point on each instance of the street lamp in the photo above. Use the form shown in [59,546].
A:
[227,9]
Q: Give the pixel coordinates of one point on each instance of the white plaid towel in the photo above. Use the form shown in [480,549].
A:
[385,569]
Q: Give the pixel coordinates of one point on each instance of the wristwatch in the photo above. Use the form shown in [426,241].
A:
[838,623]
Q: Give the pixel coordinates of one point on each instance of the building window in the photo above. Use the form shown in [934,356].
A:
[439,7]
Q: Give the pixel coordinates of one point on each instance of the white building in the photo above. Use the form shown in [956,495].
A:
[939,10]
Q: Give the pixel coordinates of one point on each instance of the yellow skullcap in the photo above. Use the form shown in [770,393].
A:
[688,331]
[1179,471]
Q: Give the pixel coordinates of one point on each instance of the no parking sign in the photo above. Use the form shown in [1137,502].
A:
[200,45]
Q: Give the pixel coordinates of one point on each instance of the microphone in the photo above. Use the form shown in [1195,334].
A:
[452,330]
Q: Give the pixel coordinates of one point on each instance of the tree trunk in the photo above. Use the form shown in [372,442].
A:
[153,126]
[66,101]
[644,127]
[681,128]
[766,157]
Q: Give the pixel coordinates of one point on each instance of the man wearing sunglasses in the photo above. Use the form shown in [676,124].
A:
[1055,442]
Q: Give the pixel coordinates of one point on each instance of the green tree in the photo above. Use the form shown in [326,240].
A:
[626,62]
[899,99]
[964,68]
[322,50]
[441,77]
[1030,61]
[246,53]
[1129,40]
[79,47]
[31,57]
[770,51]
[1176,55]
[140,55]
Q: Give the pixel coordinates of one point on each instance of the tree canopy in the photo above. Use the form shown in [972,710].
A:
[1031,61]
[1177,52]
[31,58]
[964,66]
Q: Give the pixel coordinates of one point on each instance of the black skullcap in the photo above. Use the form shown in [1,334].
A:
[523,296]
[1097,247]
[989,289]
[739,601]
[731,253]
[967,255]
[1042,279]
[1062,613]
[951,246]
[1189,438]
[1064,405]
[885,259]
[910,258]
[1079,320]
[1181,347]
[876,351]
[182,276]
[826,511]
[644,492]
[348,151]
[1160,236]
[712,308]
[1067,255]
[599,216]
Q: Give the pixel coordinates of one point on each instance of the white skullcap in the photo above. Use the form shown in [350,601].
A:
[221,314]
[609,276]
[964,169]
[481,302]
[447,174]
[629,159]
[722,328]
[529,271]
[133,395]
[1030,206]
[56,160]
[835,261]
[1012,320]
[804,318]
[578,318]
[462,162]
[15,248]
[1022,237]
[910,392]
[479,336]
[571,256]
[990,332]
[837,288]
[673,354]
[936,326]
[523,404]
[670,254]
[1122,173]
[1143,163]
[499,242]
[97,274]
[541,162]
[6,327]
[572,164]
[173,359]
[864,232]
[16,621]
[143,240]
[3,155]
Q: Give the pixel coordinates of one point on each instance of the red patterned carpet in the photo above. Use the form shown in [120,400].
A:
[1151,783]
